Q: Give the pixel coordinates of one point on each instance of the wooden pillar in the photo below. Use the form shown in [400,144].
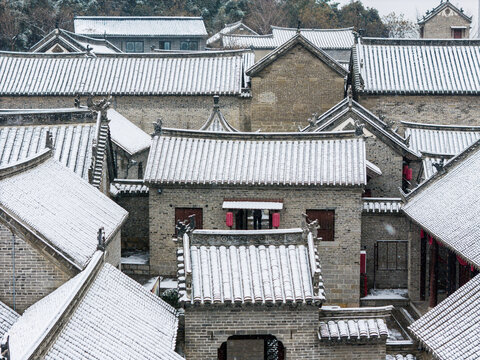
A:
[452,273]
[423,266]
[433,273]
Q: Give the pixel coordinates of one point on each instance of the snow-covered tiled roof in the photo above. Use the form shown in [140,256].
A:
[74,43]
[99,313]
[321,38]
[443,5]
[216,121]
[7,318]
[382,205]
[201,73]
[249,268]
[348,108]
[354,324]
[61,209]
[400,66]
[440,139]
[400,357]
[228,29]
[129,187]
[446,205]
[290,159]
[140,26]
[437,142]
[451,330]
[126,134]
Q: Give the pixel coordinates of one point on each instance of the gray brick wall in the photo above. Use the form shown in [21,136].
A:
[438,109]
[35,276]
[135,231]
[289,90]
[339,259]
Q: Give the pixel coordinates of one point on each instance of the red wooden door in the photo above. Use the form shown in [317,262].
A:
[182,214]
[326,220]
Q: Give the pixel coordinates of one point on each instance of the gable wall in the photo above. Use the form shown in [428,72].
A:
[339,259]
[35,276]
[439,27]
[289,90]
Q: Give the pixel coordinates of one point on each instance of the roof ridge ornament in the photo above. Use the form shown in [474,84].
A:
[440,166]
[49,140]
[157,126]
[101,239]
[350,96]
[359,128]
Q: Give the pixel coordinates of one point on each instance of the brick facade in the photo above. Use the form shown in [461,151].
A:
[289,90]
[385,226]
[126,169]
[35,275]
[184,112]
[339,259]
[207,327]
[433,109]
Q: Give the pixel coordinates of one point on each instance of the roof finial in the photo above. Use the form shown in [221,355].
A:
[310,226]
[350,96]
[299,24]
[76,102]
[157,126]
[101,239]
[216,99]
[359,128]
[407,140]
[440,166]
[49,140]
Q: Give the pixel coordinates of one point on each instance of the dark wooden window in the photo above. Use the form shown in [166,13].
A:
[134,47]
[457,33]
[326,220]
[182,214]
[165,45]
[188,45]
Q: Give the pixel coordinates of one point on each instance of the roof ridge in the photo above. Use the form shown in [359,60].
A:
[423,41]
[139,17]
[414,125]
[312,29]
[25,164]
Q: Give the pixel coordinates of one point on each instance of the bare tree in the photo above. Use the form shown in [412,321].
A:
[263,13]
[399,27]
[10,25]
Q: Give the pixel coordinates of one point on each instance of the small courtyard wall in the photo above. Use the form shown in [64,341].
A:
[339,259]
[184,112]
[431,109]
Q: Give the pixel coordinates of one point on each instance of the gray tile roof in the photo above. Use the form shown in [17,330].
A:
[74,43]
[126,134]
[354,324]
[439,141]
[59,207]
[228,29]
[251,271]
[7,318]
[140,26]
[451,330]
[400,357]
[349,108]
[396,66]
[73,142]
[256,159]
[128,187]
[202,73]
[446,205]
[321,38]
[101,313]
[382,205]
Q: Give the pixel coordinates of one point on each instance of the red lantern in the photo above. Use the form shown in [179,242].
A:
[409,175]
[405,169]
[276,220]
[229,219]
[422,234]
[363,262]
[430,240]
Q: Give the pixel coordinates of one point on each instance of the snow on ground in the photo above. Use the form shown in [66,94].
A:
[168,283]
[136,259]
[150,283]
[393,294]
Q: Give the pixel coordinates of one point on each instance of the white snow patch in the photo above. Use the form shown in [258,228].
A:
[136,259]
[395,294]
[168,283]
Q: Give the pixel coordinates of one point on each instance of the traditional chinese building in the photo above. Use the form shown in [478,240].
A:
[446,21]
